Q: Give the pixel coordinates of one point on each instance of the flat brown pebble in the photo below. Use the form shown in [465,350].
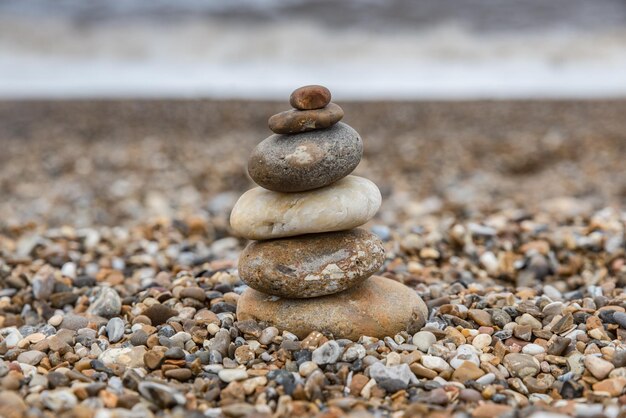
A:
[311,265]
[295,121]
[310,97]
[378,307]
[152,359]
[159,313]
[481,317]
[179,374]
[194,293]
[490,410]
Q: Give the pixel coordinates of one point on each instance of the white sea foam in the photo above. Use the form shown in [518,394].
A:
[209,58]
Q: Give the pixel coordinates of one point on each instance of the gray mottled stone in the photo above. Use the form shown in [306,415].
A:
[294,163]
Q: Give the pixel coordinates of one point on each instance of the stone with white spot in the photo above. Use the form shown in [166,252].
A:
[311,265]
[297,163]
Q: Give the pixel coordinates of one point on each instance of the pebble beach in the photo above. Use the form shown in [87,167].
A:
[119,283]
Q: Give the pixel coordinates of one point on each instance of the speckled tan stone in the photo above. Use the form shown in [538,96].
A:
[345,204]
[378,307]
[311,265]
[294,121]
[306,161]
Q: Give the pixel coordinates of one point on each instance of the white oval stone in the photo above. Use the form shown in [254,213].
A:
[264,214]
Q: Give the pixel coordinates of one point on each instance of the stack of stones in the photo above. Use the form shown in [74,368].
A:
[308,269]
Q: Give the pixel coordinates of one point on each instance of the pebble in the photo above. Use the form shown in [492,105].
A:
[597,366]
[482,341]
[533,349]
[263,214]
[377,308]
[467,371]
[312,265]
[159,313]
[55,320]
[296,121]
[391,378]
[306,161]
[231,375]
[58,400]
[521,365]
[614,386]
[74,322]
[115,329]
[423,340]
[435,363]
[31,357]
[194,293]
[160,394]
[179,374]
[268,335]
[329,352]
[106,304]
[152,359]
[464,352]
[12,339]
[310,97]
[481,317]
[620,318]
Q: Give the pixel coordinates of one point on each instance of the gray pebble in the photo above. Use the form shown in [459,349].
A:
[107,303]
[305,161]
[115,329]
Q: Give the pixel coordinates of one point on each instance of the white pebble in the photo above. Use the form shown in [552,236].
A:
[230,375]
[481,341]
[423,340]
[533,349]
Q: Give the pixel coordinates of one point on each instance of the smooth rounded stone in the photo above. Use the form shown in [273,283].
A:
[295,121]
[310,97]
[230,375]
[32,357]
[12,404]
[423,340]
[378,307]
[263,214]
[268,335]
[598,367]
[107,303]
[327,353]
[533,349]
[115,329]
[74,322]
[311,265]
[307,161]
[391,378]
[467,371]
[620,318]
[435,363]
[159,314]
[521,365]
[481,341]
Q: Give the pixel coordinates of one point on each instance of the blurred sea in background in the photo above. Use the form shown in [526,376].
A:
[262,49]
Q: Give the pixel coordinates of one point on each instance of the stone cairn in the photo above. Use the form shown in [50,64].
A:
[309,269]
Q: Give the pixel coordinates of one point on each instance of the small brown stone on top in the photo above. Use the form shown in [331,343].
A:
[295,121]
[310,97]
